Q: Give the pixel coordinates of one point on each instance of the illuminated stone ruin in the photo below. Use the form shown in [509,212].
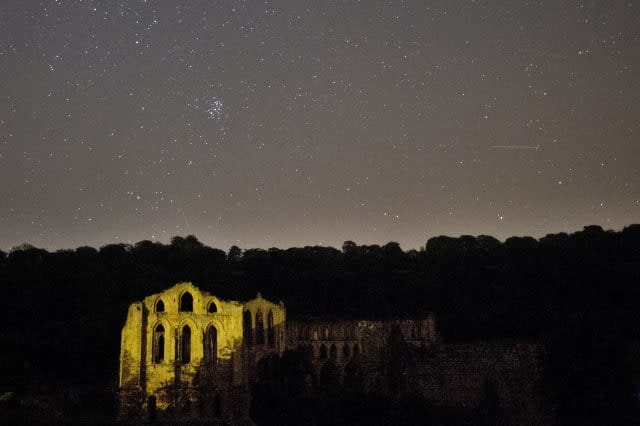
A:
[186,354]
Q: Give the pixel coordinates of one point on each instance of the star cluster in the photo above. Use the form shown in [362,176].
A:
[298,122]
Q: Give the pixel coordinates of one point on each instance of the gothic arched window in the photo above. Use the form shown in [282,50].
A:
[159,306]
[346,352]
[323,352]
[186,302]
[333,352]
[211,345]
[185,345]
[158,344]
[271,336]
[212,308]
[259,328]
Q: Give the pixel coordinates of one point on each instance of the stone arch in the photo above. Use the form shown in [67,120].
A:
[212,308]
[346,352]
[323,351]
[186,302]
[259,328]
[159,307]
[185,344]
[271,336]
[192,324]
[159,344]
[211,344]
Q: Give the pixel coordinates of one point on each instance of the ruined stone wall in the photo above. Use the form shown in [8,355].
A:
[351,353]
[264,326]
[131,348]
[504,374]
[164,376]
[132,374]
[393,357]
[185,351]
[356,335]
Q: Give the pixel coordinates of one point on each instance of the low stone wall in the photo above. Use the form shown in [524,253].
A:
[499,376]
[496,379]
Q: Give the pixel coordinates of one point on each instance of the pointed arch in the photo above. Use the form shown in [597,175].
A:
[271,336]
[213,308]
[333,352]
[323,351]
[346,352]
[159,340]
[211,345]
[185,345]
[159,306]
[259,328]
[186,302]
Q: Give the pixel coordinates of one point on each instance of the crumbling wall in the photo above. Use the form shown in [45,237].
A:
[396,358]
[506,375]
[183,354]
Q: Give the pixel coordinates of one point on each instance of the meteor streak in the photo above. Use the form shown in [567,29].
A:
[515,147]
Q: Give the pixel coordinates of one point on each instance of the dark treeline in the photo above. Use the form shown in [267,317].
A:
[577,294]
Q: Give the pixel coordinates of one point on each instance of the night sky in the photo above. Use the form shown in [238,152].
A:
[302,122]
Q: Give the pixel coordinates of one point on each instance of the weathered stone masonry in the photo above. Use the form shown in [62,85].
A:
[188,354]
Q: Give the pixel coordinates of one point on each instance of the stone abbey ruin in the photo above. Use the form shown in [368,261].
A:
[186,354]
